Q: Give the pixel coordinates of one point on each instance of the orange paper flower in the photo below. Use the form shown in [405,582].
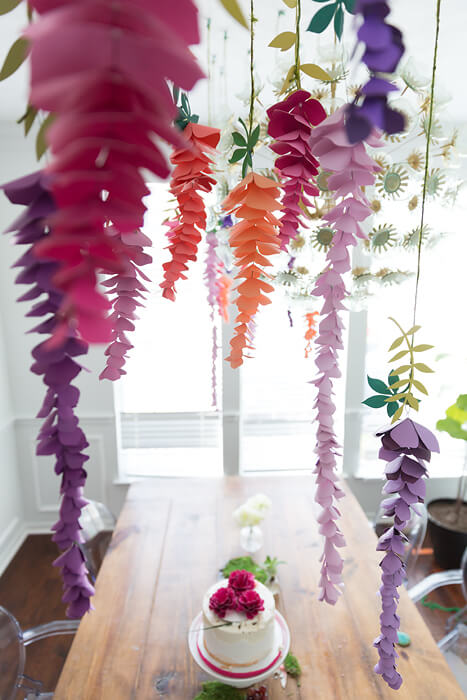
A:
[252,239]
[190,177]
[311,330]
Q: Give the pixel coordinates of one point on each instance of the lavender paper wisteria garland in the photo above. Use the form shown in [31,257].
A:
[60,434]
[383,50]
[406,446]
[212,271]
[351,168]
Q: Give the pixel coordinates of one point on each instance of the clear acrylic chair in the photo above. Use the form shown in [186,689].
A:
[454,643]
[13,642]
[97,523]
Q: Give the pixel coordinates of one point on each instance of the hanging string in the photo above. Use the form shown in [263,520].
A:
[427,156]
[209,71]
[252,74]
[298,15]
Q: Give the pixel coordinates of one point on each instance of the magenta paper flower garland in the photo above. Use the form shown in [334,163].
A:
[406,446]
[128,289]
[352,169]
[60,434]
[383,50]
[212,272]
[290,124]
[101,67]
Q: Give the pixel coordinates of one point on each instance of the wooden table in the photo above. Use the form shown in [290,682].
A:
[170,541]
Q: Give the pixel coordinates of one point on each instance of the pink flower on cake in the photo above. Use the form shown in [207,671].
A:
[250,603]
[223,600]
[241,581]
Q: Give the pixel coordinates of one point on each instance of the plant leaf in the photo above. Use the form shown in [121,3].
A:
[291,3]
[413,330]
[396,397]
[14,58]
[8,6]
[398,384]
[412,401]
[378,385]
[284,41]
[41,142]
[401,370]
[322,18]
[462,402]
[448,425]
[253,140]
[29,119]
[375,401]
[397,414]
[391,409]
[422,367]
[315,71]
[398,356]
[421,348]
[350,6]
[234,10]
[238,139]
[419,386]
[288,79]
[396,343]
[238,155]
[339,22]
[392,379]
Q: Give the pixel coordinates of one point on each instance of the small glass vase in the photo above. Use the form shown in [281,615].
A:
[251,538]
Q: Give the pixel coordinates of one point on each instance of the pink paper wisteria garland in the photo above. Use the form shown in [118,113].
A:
[406,446]
[110,101]
[351,168]
[60,434]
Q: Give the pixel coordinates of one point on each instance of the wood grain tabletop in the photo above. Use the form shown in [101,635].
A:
[172,537]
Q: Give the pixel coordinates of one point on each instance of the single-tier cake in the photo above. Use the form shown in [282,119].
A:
[238,621]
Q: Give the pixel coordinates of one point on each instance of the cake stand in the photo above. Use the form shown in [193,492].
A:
[250,674]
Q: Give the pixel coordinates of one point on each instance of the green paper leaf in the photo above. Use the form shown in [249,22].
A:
[398,384]
[14,58]
[322,19]
[412,401]
[41,142]
[238,139]
[419,386]
[253,140]
[233,8]
[244,125]
[290,3]
[375,401]
[248,159]
[396,397]
[175,93]
[238,155]
[350,6]
[339,22]
[401,370]
[244,167]
[391,408]
[284,41]
[29,11]
[315,71]
[398,356]
[8,6]
[396,343]
[378,385]
[397,414]
[288,78]
[392,379]
[422,367]
[413,330]
[422,348]
[28,119]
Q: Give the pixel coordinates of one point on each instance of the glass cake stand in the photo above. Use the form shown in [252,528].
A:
[249,675]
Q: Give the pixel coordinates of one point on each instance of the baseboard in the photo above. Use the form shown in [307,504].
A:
[10,541]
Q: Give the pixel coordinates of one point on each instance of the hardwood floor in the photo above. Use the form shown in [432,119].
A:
[31,590]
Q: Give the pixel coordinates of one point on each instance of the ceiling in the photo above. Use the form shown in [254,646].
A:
[229,58]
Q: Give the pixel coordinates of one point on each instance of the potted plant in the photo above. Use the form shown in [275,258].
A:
[447,517]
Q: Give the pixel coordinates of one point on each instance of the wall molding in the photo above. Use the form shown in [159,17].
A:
[10,541]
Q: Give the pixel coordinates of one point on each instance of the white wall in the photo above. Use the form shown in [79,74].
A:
[29,489]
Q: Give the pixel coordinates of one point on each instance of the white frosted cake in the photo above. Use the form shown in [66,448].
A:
[238,621]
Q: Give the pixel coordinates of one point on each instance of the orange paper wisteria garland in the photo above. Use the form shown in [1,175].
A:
[254,238]
[192,176]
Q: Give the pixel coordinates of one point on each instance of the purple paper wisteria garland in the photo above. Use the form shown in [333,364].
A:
[212,270]
[351,168]
[383,50]
[60,434]
[406,446]
[128,290]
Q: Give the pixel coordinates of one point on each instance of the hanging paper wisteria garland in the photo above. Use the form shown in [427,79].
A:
[352,169]
[109,102]
[383,50]
[191,177]
[290,125]
[60,434]
[212,273]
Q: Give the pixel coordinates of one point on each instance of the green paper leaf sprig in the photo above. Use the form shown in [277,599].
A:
[383,390]
[332,11]
[406,386]
[235,11]
[245,146]
[185,115]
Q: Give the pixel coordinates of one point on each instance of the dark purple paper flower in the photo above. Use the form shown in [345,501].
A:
[405,446]
[60,434]
[241,581]
[383,50]
[223,600]
[251,603]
